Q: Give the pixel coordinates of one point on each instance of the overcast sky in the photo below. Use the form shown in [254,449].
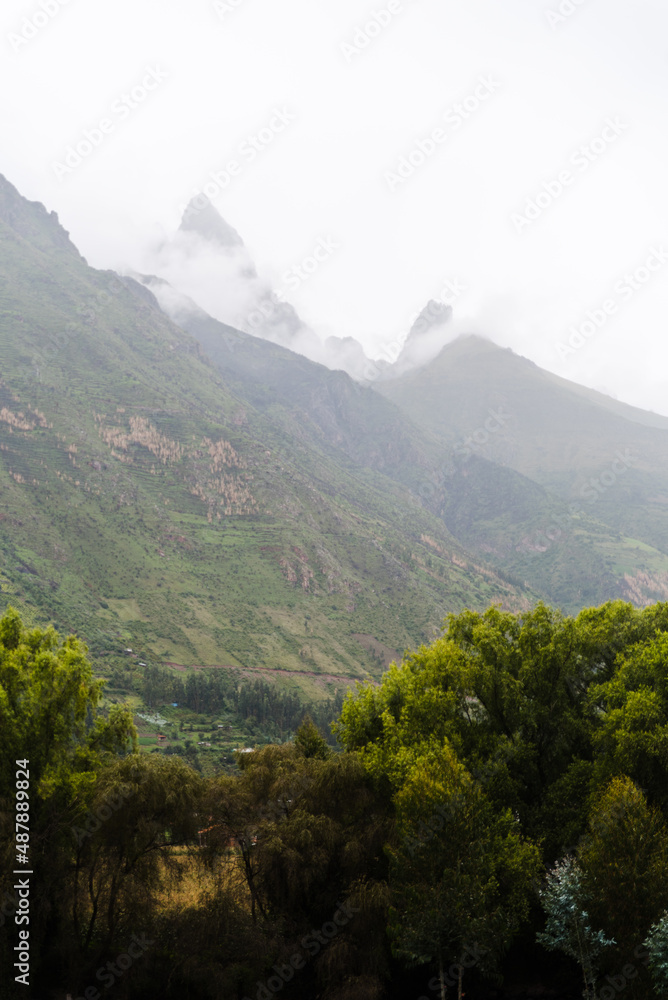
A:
[410,133]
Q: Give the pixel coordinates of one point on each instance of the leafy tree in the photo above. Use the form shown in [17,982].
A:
[508,735]
[309,742]
[142,807]
[515,696]
[460,876]
[237,806]
[624,864]
[656,945]
[568,927]
[49,717]
[309,834]
[539,709]
[48,698]
[632,738]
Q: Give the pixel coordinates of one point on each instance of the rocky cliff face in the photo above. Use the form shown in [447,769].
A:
[30,221]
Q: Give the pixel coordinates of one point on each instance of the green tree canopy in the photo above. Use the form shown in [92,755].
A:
[49,718]
[624,863]
[460,875]
[512,695]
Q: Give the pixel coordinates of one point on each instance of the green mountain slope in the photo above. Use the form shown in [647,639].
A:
[323,411]
[608,460]
[145,502]
[504,517]
[551,425]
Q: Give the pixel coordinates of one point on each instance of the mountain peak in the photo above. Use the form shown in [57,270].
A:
[204,219]
[31,221]
[425,338]
[434,314]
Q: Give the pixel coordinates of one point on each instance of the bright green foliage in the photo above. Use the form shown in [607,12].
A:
[510,727]
[511,737]
[601,906]
[510,694]
[48,716]
[633,734]
[48,699]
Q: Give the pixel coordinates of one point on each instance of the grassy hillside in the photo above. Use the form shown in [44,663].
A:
[212,499]
[146,503]
[524,529]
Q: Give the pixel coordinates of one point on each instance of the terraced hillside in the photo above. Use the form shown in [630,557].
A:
[146,503]
[208,497]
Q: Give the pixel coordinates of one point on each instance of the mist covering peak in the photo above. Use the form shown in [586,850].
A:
[209,267]
[203,218]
